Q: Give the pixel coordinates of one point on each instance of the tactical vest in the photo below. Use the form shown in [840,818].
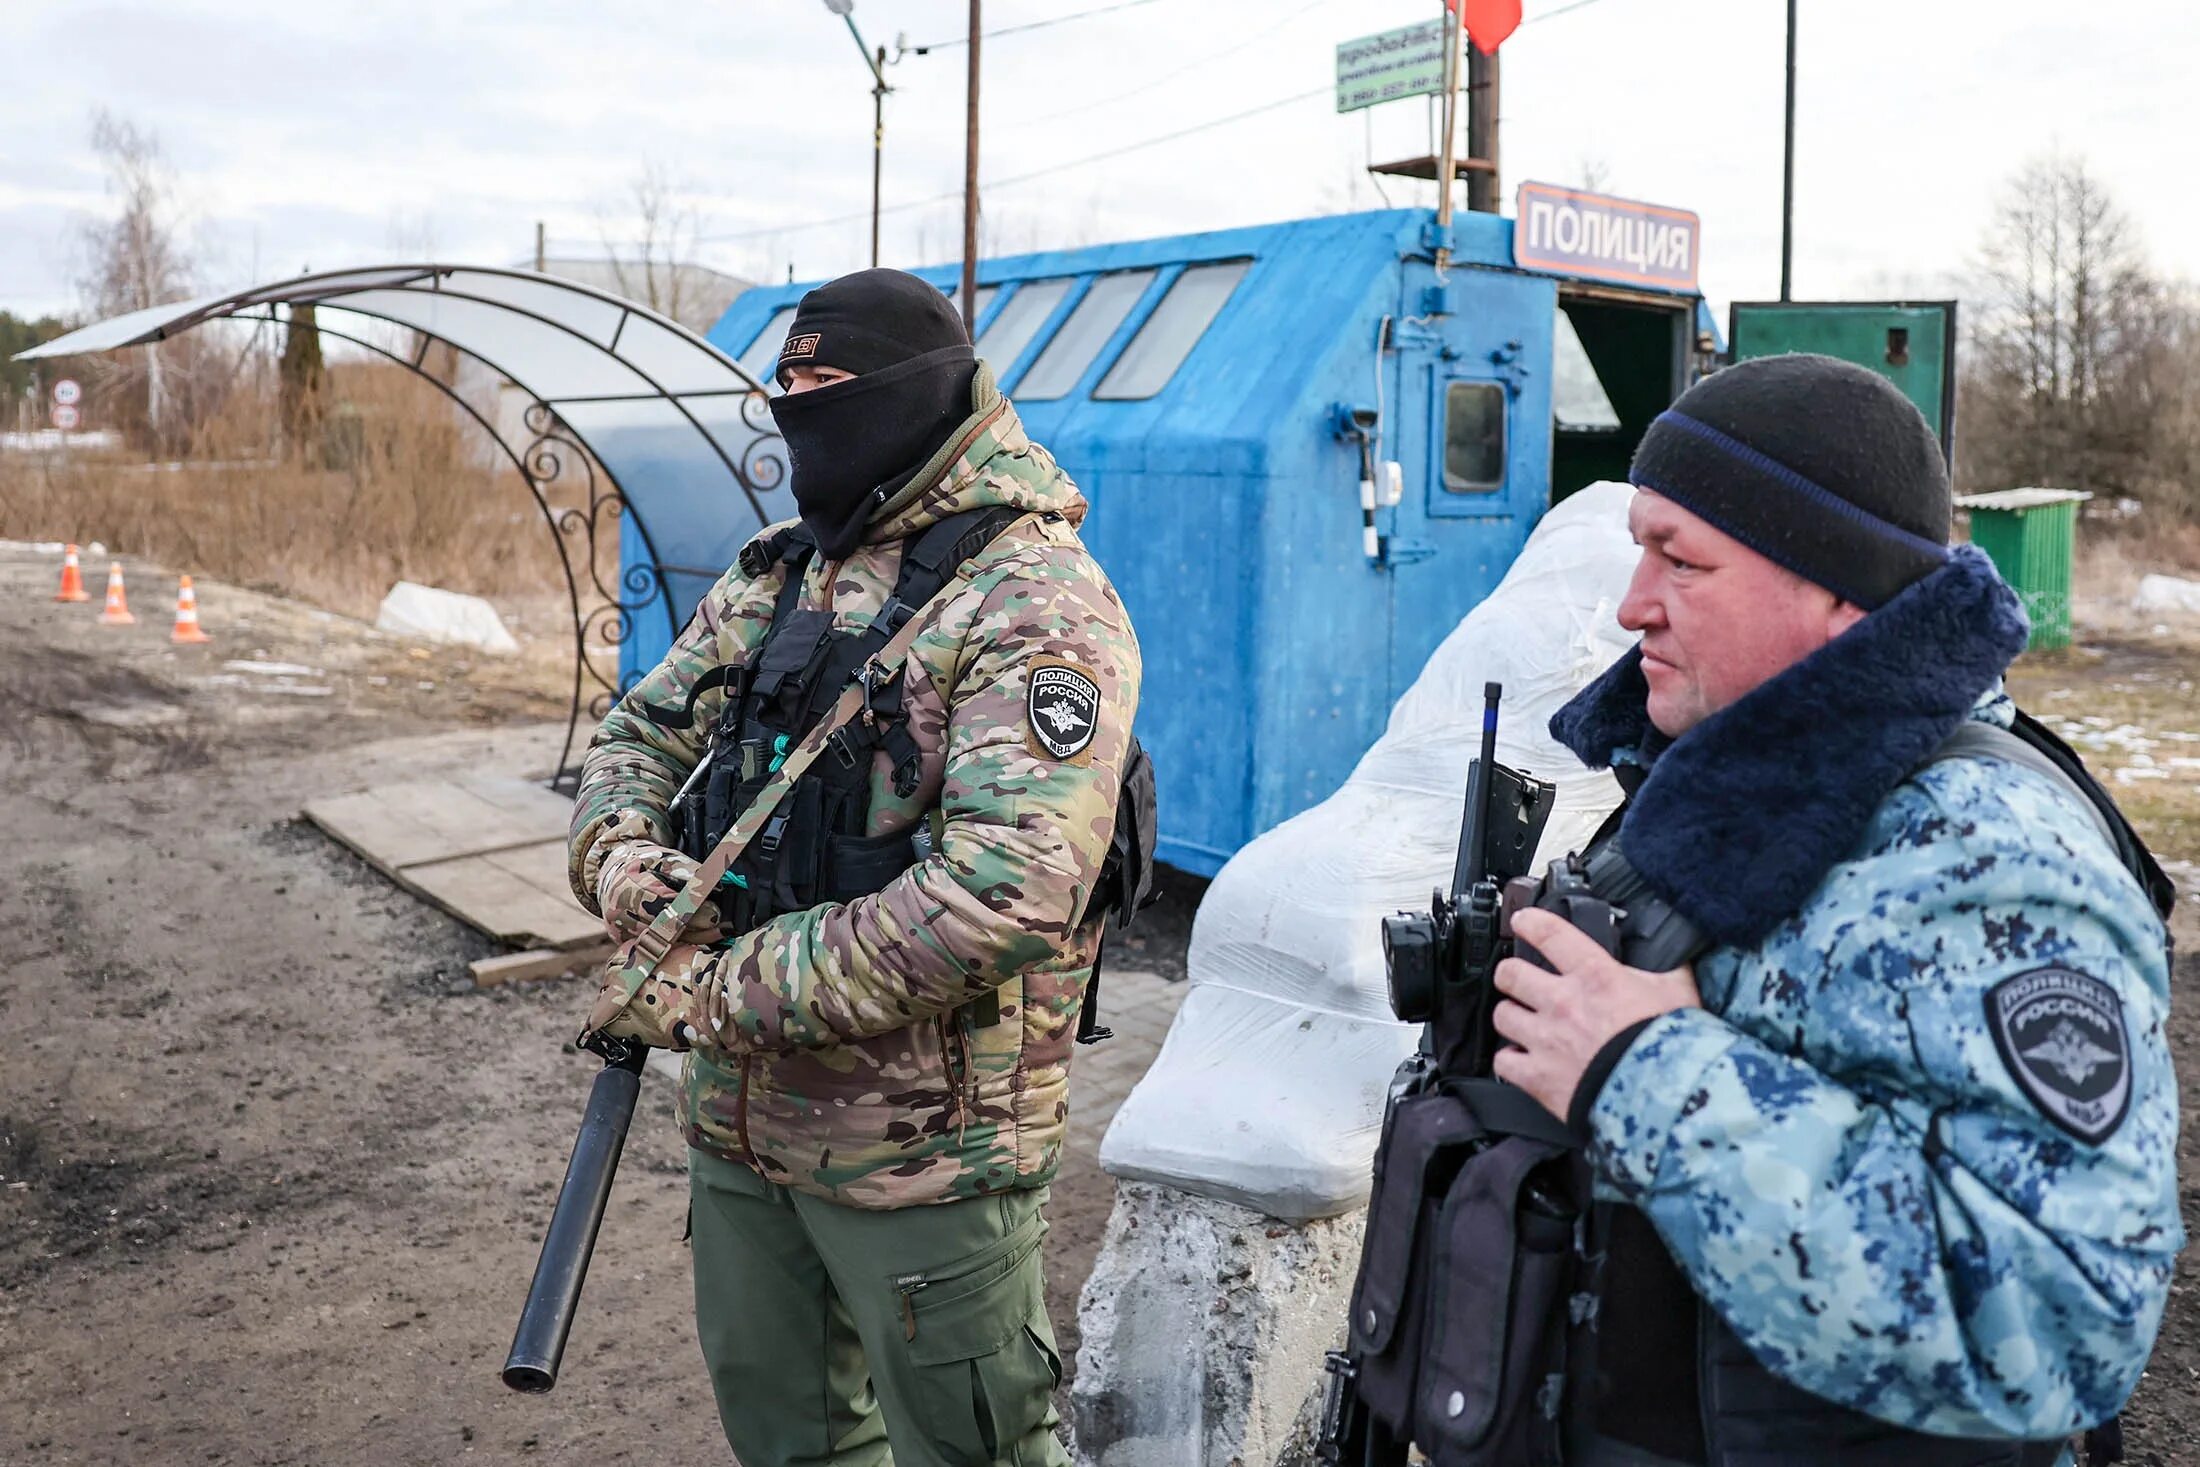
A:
[1502,1316]
[815,849]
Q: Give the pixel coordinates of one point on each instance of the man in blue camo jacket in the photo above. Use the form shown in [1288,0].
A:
[1893,1165]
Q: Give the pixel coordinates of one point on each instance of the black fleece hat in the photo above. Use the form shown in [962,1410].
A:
[1815,463]
[869,321]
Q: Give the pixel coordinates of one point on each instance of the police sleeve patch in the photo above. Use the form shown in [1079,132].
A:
[2061,1036]
[1061,710]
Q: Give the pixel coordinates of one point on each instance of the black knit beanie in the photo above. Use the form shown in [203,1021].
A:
[868,321]
[1816,464]
[852,446]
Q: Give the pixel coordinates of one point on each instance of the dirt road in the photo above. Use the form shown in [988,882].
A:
[271,1169]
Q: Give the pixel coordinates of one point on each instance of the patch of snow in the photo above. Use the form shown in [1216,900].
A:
[2167,593]
[272,669]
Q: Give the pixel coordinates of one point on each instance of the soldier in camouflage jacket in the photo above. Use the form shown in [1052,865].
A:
[838,1056]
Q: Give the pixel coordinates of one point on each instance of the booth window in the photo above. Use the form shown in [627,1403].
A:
[763,353]
[1087,330]
[1009,332]
[985,298]
[1474,437]
[1173,329]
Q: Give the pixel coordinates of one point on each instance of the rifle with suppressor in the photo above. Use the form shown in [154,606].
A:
[539,1343]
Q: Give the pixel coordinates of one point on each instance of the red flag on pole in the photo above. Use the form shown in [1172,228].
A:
[1488,22]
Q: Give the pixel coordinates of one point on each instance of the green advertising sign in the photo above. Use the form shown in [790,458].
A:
[1407,62]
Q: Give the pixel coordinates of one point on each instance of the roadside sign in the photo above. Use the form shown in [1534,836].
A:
[64,417]
[1597,237]
[66,393]
[1407,62]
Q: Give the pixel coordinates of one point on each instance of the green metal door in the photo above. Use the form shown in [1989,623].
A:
[1911,343]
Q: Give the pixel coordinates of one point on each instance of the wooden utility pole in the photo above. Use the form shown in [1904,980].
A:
[1482,129]
[968,296]
[1445,175]
[541,253]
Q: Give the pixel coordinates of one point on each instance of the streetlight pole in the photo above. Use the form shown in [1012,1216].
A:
[845,9]
[1787,180]
[969,293]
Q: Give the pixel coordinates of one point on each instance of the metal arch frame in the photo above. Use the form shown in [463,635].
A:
[548,430]
[542,459]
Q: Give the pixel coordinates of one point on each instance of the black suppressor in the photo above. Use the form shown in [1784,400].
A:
[539,1342]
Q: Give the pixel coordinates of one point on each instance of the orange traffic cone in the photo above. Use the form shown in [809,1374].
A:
[117,613]
[72,579]
[187,615]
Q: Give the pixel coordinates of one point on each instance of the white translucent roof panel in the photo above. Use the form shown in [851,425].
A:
[593,316]
[119,331]
[320,287]
[675,361]
[552,362]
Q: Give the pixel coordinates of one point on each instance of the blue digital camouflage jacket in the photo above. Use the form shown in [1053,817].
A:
[1918,1146]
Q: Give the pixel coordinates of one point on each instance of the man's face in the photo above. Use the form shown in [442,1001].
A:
[809,379]
[1716,618]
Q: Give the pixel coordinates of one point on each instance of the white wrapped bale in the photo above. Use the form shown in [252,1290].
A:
[1244,1155]
[1269,1089]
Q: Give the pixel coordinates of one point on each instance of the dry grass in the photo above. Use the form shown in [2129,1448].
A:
[403,489]
[2127,695]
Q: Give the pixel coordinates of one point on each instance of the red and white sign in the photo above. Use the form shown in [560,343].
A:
[65,417]
[66,393]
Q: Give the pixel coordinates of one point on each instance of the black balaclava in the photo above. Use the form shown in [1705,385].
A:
[1815,463]
[852,446]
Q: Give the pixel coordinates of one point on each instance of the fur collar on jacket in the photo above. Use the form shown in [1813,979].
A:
[1740,818]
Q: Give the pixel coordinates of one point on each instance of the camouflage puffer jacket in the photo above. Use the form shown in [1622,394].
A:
[839,1050]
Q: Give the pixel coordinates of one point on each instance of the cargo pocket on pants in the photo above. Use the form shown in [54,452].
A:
[981,1351]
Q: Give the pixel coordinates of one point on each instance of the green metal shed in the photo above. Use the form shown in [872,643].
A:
[2031,536]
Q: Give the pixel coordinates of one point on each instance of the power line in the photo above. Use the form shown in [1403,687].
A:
[1169,76]
[1009,182]
[1563,9]
[1033,25]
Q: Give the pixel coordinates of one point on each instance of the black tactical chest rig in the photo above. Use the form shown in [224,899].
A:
[815,848]
[1502,1316]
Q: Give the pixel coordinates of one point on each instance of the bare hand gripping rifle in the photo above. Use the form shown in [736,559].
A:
[539,1342]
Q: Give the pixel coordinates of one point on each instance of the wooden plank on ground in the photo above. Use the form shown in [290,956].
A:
[489,849]
[400,825]
[506,906]
[536,962]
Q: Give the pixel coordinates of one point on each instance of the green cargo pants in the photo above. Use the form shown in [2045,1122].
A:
[856,1338]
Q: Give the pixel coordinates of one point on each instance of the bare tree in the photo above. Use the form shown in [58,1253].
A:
[2063,335]
[135,260]
[650,270]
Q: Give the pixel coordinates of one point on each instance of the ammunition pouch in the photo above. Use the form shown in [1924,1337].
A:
[1472,1277]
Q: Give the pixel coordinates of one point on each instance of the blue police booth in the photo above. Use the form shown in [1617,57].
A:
[1221,397]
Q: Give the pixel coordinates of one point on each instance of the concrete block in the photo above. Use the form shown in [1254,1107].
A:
[1204,1329]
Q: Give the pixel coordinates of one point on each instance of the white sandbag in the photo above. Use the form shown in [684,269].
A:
[1268,1090]
[432,615]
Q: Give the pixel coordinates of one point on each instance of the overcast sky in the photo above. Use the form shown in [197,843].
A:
[336,134]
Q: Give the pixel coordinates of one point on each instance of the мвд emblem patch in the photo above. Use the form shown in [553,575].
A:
[1061,710]
[2061,1035]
